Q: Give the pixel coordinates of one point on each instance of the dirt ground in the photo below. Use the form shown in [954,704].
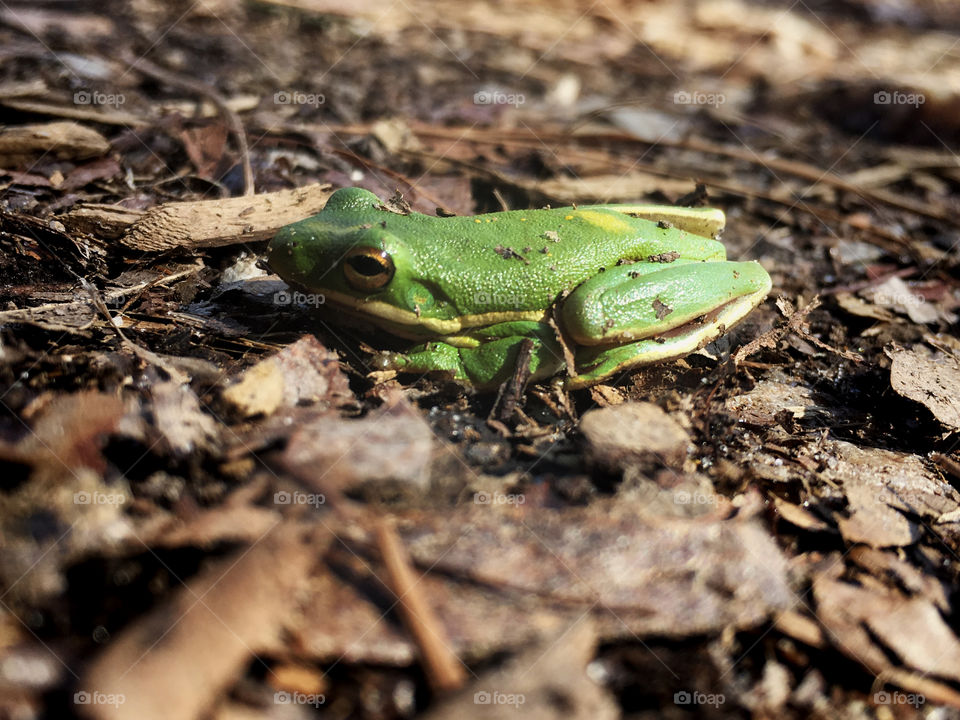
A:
[212,506]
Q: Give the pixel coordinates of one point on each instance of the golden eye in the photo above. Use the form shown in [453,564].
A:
[368,268]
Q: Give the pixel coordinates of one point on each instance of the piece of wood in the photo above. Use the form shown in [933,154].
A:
[100,220]
[104,116]
[63,140]
[214,223]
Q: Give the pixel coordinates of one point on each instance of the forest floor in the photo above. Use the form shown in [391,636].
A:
[210,507]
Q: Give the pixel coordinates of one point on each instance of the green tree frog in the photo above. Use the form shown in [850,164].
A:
[625,284]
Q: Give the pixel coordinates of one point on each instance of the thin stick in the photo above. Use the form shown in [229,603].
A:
[444,670]
[229,116]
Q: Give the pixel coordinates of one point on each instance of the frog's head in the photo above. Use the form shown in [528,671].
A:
[349,254]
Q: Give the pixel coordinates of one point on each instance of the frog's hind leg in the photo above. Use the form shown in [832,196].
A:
[708,222]
[598,363]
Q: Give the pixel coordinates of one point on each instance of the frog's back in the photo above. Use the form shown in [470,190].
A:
[523,259]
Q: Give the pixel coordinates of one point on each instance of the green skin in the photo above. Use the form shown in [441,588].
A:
[628,284]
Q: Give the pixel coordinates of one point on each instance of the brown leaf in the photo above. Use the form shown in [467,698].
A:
[205,147]
[102,169]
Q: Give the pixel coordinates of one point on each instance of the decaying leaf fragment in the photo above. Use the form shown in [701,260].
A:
[887,493]
[304,372]
[933,380]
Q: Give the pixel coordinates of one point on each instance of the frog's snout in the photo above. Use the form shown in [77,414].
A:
[285,254]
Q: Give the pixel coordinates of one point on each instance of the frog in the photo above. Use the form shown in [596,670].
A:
[597,290]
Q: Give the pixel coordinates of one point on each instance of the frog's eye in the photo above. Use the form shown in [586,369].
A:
[368,268]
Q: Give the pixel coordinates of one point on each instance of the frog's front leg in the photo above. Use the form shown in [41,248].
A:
[482,357]
[649,312]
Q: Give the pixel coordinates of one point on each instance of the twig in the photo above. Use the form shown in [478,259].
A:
[510,392]
[143,353]
[444,670]
[229,116]
[796,323]
[525,138]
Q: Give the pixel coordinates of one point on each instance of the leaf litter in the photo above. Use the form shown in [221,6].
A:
[195,485]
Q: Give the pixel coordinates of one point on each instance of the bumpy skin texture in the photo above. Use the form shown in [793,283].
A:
[460,279]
